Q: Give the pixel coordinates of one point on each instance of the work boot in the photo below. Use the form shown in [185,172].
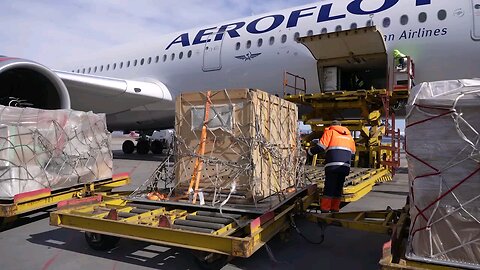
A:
[325,205]
[335,207]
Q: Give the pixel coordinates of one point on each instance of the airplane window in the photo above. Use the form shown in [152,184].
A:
[114,66]
[404,19]
[189,54]
[173,56]
[108,66]
[121,65]
[180,55]
[73,71]
[164,57]
[135,63]
[284,38]
[272,40]
[249,44]
[128,64]
[89,70]
[386,22]
[83,71]
[324,30]
[296,36]
[369,23]
[422,17]
[237,47]
[95,69]
[338,28]
[442,14]
[310,33]
[101,68]
[260,42]
[78,70]
[142,61]
[353,26]
[156,59]
[149,60]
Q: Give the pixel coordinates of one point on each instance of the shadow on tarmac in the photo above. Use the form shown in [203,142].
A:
[23,220]
[127,251]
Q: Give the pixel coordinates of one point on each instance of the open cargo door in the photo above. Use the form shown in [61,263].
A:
[349,55]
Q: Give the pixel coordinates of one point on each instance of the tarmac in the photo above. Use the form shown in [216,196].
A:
[32,243]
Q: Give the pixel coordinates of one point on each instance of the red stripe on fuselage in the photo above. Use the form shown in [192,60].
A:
[6,58]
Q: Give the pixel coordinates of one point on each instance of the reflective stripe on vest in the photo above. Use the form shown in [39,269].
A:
[339,148]
[337,164]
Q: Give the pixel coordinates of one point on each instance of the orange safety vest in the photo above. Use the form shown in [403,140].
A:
[339,146]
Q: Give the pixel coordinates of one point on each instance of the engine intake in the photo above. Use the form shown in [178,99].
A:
[28,84]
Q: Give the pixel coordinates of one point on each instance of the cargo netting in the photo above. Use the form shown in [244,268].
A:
[238,147]
[51,149]
[442,145]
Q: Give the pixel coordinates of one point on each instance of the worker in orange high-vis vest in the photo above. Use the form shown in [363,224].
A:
[339,145]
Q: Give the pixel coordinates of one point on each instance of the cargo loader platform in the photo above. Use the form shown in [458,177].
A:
[358,183]
[28,202]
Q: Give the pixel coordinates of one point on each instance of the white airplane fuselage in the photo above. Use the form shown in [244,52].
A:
[442,36]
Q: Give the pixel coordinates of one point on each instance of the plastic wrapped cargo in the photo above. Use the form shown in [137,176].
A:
[251,154]
[442,144]
[51,149]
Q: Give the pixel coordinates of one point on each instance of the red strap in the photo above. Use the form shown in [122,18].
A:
[421,212]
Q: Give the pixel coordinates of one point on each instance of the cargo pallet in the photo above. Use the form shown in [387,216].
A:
[29,202]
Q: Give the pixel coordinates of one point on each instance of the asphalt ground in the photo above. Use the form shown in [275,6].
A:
[33,244]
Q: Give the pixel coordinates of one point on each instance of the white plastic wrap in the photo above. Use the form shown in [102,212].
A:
[442,144]
[51,149]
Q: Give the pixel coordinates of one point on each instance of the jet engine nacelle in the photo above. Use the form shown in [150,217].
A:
[25,83]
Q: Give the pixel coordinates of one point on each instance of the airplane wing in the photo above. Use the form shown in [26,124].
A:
[111,95]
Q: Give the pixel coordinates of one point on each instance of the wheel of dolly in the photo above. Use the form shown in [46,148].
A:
[210,261]
[156,147]
[143,146]
[128,147]
[99,241]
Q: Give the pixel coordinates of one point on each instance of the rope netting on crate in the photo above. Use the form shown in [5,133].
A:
[51,149]
[235,150]
[442,146]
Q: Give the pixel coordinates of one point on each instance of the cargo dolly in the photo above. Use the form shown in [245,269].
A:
[28,202]
[214,235]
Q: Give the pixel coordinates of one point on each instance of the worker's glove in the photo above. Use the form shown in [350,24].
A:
[317,149]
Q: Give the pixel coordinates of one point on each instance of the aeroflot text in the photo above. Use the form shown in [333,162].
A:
[274,21]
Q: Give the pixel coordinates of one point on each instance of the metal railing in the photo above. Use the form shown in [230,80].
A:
[298,81]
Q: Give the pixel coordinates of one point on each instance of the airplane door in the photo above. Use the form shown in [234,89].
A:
[212,54]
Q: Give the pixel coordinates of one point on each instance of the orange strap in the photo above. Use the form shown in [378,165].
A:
[201,151]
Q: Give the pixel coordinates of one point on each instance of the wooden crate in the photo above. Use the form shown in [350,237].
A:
[250,154]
